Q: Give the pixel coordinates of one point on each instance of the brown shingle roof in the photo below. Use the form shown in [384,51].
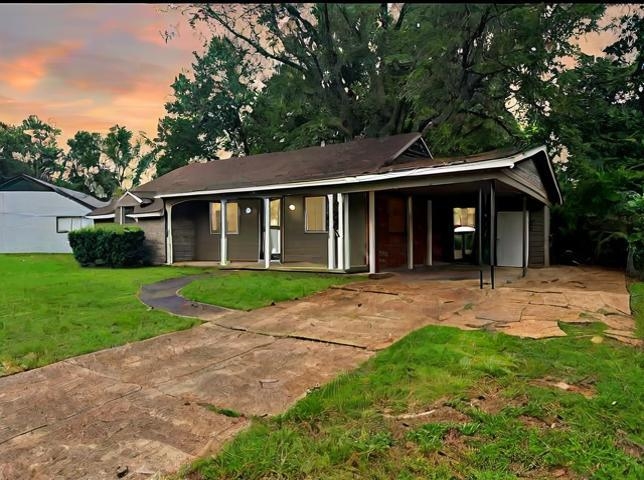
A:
[313,163]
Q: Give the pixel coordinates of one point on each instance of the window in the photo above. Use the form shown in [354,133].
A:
[68,224]
[232,217]
[315,214]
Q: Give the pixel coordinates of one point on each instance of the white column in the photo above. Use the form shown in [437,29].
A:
[410,232]
[340,237]
[168,239]
[267,232]
[347,243]
[331,239]
[223,258]
[430,254]
[372,232]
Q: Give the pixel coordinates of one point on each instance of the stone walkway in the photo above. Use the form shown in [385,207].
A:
[148,406]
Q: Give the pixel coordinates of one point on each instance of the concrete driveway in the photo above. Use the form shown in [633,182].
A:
[148,407]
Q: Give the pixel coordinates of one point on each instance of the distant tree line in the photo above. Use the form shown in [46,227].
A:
[94,164]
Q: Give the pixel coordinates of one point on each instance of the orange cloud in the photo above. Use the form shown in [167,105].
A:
[24,72]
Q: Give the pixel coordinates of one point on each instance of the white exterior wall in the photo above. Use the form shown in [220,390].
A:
[28,221]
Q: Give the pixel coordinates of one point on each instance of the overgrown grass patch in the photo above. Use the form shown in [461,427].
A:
[247,290]
[51,308]
[444,403]
[637,306]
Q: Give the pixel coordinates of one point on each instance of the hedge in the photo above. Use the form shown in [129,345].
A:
[109,245]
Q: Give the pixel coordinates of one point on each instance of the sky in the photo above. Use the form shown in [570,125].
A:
[90,66]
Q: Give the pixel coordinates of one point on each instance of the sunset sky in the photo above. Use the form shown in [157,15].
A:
[90,66]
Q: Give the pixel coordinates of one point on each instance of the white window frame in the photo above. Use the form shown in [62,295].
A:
[217,231]
[324,215]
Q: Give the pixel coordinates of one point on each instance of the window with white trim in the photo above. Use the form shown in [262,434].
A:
[68,224]
[232,217]
[315,214]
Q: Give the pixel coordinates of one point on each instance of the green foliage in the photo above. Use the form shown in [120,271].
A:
[334,72]
[246,290]
[51,309]
[111,246]
[208,111]
[12,141]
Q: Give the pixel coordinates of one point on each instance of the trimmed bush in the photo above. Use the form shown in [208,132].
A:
[109,245]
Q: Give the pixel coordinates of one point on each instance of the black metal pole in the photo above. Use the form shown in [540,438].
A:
[492,231]
[479,234]
[525,236]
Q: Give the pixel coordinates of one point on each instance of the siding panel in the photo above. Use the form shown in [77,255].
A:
[299,246]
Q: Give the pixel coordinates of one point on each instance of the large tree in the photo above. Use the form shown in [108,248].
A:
[453,71]
[41,152]
[13,142]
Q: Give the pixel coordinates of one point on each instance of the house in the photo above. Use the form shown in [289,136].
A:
[35,216]
[367,205]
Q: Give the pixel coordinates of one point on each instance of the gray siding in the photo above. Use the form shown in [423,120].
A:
[244,246]
[154,229]
[358,229]
[536,257]
[299,246]
[183,237]
[526,172]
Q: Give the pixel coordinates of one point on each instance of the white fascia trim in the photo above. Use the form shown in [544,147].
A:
[133,196]
[145,215]
[100,217]
[372,177]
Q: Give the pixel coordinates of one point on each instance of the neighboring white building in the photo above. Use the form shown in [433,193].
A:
[36,216]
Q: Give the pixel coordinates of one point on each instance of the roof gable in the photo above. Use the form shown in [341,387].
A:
[23,184]
[27,183]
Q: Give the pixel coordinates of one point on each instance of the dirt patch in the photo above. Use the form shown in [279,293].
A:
[585,388]
[561,473]
[488,397]
[632,448]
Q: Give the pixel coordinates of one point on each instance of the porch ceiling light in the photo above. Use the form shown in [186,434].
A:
[291,207]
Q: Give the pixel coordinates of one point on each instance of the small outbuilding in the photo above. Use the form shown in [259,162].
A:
[36,216]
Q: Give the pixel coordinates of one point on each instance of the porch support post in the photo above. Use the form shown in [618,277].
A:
[267,232]
[223,258]
[479,235]
[524,262]
[347,241]
[546,236]
[372,231]
[331,239]
[492,232]
[430,229]
[168,238]
[340,237]
[410,232]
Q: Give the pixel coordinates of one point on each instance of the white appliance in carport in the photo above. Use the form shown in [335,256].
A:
[509,238]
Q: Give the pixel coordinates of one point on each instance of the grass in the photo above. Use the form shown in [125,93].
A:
[51,309]
[637,306]
[494,414]
[247,290]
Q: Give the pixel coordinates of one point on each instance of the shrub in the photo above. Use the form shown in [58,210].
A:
[110,244]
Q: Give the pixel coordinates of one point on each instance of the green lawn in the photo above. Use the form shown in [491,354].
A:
[496,414]
[50,309]
[247,290]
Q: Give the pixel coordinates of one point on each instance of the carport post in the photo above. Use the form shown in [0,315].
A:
[331,239]
[223,259]
[372,231]
[410,232]
[347,241]
[524,261]
[479,236]
[267,232]
[492,231]
[168,240]
[340,237]
[430,227]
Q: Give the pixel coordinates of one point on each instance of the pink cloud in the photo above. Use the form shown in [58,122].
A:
[24,72]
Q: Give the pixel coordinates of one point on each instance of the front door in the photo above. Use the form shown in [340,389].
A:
[509,239]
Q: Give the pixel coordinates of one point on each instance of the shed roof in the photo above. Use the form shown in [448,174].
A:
[83,198]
